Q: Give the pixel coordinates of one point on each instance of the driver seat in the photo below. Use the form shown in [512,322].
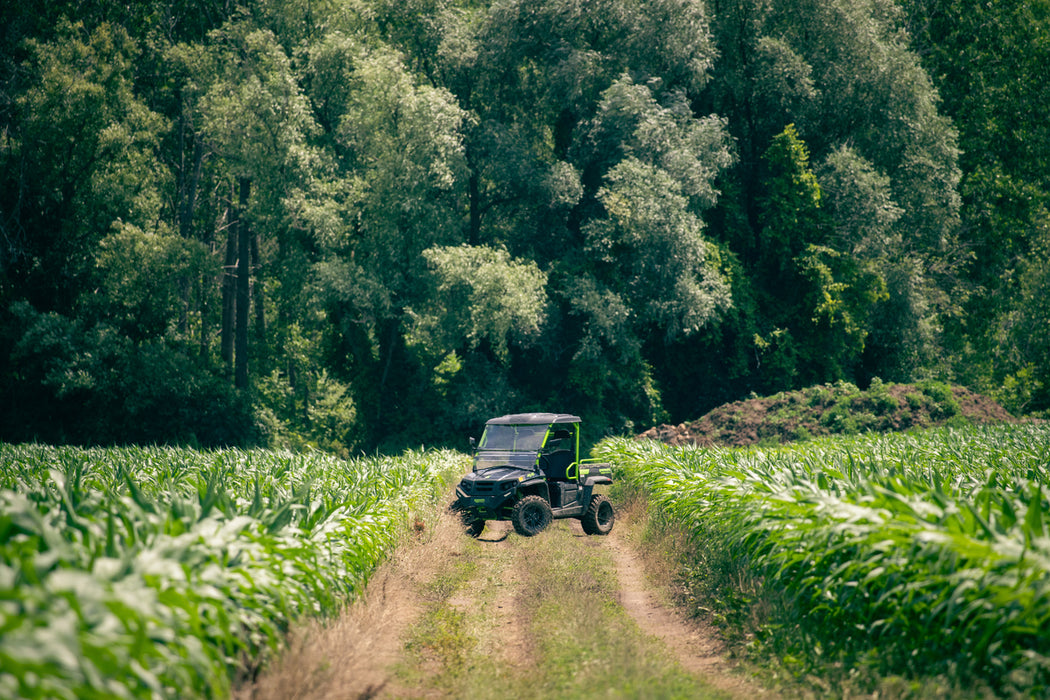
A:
[555,465]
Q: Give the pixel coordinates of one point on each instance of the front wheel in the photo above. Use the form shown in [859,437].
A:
[531,516]
[473,528]
[471,525]
[599,518]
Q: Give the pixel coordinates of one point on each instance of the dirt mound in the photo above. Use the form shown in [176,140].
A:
[833,409]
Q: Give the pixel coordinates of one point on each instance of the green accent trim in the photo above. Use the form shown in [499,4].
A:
[543,446]
[569,472]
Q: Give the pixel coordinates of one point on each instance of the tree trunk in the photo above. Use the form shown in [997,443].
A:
[243,288]
[229,290]
[203,284]
[188,184]
[474,203]
[258,302]
[386,356]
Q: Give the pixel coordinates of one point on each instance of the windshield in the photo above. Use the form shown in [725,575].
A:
[513,438]
[497,458]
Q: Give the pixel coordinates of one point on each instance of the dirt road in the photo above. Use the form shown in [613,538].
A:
[557,615]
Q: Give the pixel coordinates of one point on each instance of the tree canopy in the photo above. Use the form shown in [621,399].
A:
[364,224]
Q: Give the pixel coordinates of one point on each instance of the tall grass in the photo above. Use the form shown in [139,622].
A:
[165,572]
[923,555]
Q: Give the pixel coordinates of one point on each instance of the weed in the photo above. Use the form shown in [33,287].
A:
[442,634]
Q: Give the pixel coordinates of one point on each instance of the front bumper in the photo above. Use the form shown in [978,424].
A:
[485,500]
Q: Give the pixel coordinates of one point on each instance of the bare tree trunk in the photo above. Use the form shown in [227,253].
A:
[243,288]
[258,302]
[391,328]
[187,205]
[229,290]
[203,284]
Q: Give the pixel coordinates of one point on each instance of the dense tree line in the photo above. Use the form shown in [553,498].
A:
[371,223]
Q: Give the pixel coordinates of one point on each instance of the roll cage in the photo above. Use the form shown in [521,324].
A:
[528,441]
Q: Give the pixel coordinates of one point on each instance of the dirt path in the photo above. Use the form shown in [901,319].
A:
[365,653]
[695,644]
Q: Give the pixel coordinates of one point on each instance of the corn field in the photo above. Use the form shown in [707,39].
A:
[924,555]
[164,572]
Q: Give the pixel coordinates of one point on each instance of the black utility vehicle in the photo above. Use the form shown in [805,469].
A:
[527,469]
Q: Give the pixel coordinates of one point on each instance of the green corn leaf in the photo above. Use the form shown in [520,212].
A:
[1033,519]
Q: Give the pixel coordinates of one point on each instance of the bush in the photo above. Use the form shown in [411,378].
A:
[944,403]
[80,384]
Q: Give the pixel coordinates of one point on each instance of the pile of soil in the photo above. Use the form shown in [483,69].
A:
[833,409]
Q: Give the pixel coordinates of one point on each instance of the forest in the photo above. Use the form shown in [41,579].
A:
[365,225]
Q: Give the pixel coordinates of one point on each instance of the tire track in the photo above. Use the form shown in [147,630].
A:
[695,644]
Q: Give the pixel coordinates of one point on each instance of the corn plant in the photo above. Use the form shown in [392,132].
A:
[920,554]
[162,572]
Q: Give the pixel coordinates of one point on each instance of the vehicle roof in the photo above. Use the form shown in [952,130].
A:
[533,419]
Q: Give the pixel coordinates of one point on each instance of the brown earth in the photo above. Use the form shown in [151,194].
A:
[694,643]
[832,409]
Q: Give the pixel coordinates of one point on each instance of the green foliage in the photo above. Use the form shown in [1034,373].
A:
[841,297]
[986,62]
[141,276]
[790,206]
[83,383]
[649,251]
[1026,326]
[480,294]
[647,269]
[79,153]
[944,404]
[820,297]
[923,555]
[165,573]
[252,110]
[718,200]
[317,413]
[859,203]
[842,74]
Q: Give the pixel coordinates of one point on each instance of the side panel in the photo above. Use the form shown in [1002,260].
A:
[576,508]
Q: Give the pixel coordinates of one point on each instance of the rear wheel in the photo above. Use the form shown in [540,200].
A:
[531,516]
[599,518]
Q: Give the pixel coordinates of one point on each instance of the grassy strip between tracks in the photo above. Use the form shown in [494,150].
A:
[572,638]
